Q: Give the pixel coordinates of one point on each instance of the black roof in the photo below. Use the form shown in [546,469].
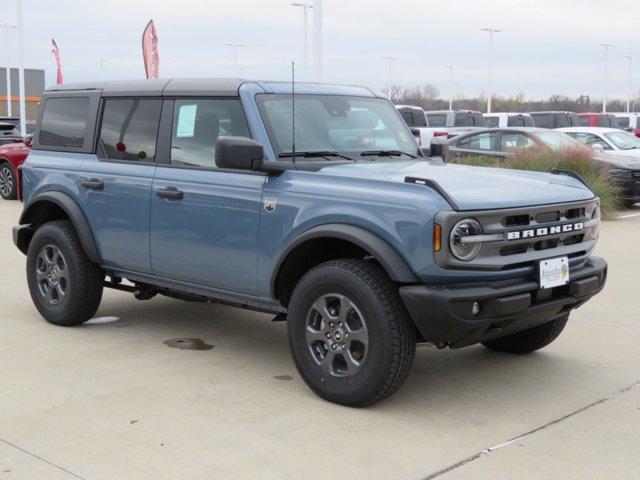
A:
[156,87]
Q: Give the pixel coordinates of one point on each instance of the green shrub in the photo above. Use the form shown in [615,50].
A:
[579,160]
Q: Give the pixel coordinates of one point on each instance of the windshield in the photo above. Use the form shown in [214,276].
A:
[623,140]
[335,123]
[557,140]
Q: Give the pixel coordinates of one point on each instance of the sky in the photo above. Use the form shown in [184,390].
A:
[545,47]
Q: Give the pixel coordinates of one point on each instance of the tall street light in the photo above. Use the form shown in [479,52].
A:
[23,108]
[7,27]
[102,60]
[235,47]
[491,31]
[305,40]
[629,58]
[317,40]
[450,68]
[606,47]
[389,60]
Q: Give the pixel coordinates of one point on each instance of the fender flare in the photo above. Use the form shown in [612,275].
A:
[385,254]
[75,214]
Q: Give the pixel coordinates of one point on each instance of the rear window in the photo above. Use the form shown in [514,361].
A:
[469,119]
[608,121]
[624,122]
[437,120]
[519,121]
[413,118]
[583,121]
[492,121]
[542,120]
[64,122]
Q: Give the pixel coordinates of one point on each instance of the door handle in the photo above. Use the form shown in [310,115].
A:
[170,193]
[93,184]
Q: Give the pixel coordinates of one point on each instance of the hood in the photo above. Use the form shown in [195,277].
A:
[621,158]
[474,188]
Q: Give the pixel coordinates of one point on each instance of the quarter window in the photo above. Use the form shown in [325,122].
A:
[197,124]
[64,122]
[129,129]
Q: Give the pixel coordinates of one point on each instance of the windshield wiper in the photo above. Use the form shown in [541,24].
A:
[318,153]
[386,153]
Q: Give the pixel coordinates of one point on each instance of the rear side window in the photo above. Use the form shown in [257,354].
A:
[197,124]
[519,121]
[129,129]
[437,120]
[624,122]
[492,121]
[64,122]
[513,141]
[542,120]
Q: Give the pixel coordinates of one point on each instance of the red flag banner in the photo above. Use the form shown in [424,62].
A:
[150,50]
[56,55]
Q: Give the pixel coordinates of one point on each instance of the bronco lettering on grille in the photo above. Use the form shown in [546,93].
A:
[545,231]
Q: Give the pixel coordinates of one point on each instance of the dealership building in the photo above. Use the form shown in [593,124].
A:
[34,86]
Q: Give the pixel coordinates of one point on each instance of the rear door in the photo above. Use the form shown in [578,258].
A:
[116,183]
[204,220]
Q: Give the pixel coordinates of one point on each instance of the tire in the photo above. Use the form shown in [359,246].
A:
[376,332]
[8,184]
[529,340]
[65,286]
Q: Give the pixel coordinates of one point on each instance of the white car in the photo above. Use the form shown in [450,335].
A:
[629,122]
[508,119]
[608,140]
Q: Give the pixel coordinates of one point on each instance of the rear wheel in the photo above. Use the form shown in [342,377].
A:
[65,286]
[529,340]
[351,337]
[8,187]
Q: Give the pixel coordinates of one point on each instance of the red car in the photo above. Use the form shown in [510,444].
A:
[12,155]
[607,120]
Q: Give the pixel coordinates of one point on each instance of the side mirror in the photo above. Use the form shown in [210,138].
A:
[239,153]
[28,140]
[597,147]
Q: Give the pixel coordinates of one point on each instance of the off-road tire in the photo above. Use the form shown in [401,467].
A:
[8,174]
[85,279]
[391,335]
[529,340]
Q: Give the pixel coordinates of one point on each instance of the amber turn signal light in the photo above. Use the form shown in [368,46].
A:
[437,237]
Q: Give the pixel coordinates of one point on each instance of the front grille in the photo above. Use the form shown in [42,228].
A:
[522,236]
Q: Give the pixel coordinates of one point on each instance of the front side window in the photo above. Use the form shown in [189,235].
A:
[64,122]
[514,141]
[129,129]
[480,141]
[197,124]
[334,123]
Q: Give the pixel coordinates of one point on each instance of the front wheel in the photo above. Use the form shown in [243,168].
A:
[8,185]
[351,337]
[529,340]
[65,286]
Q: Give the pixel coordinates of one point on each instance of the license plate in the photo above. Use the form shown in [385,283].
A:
[554,272]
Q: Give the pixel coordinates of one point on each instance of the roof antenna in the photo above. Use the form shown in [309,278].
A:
[293,112]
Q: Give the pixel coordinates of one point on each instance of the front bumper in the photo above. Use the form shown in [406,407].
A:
[443,314]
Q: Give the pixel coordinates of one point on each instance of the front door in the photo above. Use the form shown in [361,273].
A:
[116,184]
[204,221]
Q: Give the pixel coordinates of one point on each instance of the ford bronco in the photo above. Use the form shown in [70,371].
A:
[202,189]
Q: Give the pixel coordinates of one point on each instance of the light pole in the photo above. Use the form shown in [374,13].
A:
[235,47]
[102,60]
[606,46]
[491,31]
[241,69]
[629,58]
[7,27]
[317,40]
[450,68]
[305,40]
[389,60]
[23,108]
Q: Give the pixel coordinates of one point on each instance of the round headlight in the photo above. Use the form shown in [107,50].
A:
[464,229]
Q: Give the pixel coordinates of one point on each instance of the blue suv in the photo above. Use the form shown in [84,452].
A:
[318,207]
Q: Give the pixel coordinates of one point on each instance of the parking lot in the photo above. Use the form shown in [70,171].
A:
[110,399]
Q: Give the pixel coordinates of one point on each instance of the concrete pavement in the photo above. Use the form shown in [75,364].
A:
[110,399]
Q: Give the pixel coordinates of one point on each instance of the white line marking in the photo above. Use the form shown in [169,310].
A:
[628,216]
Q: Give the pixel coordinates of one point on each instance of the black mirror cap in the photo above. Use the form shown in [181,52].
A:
[239,153]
